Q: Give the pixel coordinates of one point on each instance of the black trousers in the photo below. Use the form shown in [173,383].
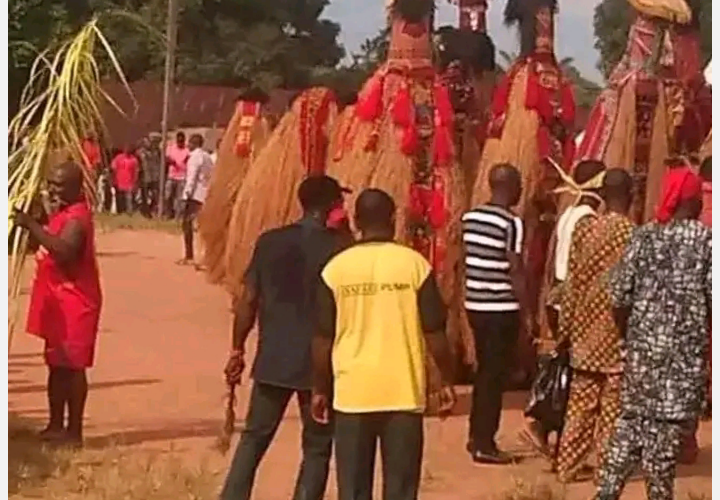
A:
[266,410]
[190,212]
[124,201]
[150,197]
[496,335]
[401,448]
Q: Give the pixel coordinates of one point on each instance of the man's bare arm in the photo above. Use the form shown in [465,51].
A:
[244,314]
[66,248]
[433,317]
[322,364]
[517,278]
[323,339]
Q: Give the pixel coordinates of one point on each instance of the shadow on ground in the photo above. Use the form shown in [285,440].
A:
[187,430]
[25,389]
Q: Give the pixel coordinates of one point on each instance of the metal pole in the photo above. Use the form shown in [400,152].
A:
[170,44]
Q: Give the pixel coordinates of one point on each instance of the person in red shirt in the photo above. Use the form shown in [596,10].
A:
[91,150]
[66,299]
[126,170]
[93,159]
[176,155]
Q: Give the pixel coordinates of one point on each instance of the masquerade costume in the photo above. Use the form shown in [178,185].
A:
[267,198]
[401,141]
[657,103]
[532,116]
[244,138]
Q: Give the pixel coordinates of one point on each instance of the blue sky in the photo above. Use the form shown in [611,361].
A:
[361,19]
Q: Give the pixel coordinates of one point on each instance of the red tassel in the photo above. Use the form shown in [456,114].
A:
[567,105]
[437,214]
[416,204]
[410,141]
[443,107]
[402,108]
[537,98]
[438,258]
[242,150]
[369,105]
[442,147]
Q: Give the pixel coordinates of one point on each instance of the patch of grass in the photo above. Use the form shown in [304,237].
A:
[112,222]
[36,471]
[30,462]
[532,489]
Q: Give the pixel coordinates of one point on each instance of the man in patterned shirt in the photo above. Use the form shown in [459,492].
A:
[662,291]
[586,321]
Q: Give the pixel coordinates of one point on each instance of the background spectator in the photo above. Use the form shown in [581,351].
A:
[176,156]
[126,169]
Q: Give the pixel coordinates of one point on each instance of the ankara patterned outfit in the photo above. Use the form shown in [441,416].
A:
[665,279]
[586,320]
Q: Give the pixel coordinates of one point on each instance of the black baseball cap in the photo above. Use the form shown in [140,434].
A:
[320,191]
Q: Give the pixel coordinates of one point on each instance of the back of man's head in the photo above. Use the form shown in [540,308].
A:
[617,187]
[505,183]
[319,193]
[706,169]
[587,170]
[374,211]
[196,141]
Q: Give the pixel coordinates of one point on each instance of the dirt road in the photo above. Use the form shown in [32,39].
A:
[158,383]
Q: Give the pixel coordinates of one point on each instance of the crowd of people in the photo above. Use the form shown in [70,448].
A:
[129,181]
[632,305]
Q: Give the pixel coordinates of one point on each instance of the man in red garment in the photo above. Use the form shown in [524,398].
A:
[126,170]
[66,299]
[91,150]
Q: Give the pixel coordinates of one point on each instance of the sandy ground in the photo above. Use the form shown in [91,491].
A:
[158,384]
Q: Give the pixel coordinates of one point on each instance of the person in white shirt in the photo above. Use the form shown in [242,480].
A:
[199,169]
[214,154]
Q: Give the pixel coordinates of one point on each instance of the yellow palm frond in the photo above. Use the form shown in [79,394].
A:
[59,106]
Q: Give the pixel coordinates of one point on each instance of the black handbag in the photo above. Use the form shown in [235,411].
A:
[550,390]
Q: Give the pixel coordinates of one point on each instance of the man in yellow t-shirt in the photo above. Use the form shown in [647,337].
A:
[379,309]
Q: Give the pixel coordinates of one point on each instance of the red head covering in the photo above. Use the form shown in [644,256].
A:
[679,184]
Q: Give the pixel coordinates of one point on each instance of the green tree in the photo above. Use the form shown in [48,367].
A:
[32,25]
[223,42]
[612,22]
[350,76]
[585,90]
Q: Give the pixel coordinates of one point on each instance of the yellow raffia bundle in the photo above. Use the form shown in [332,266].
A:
[267,198]
[516,145]
[227,177]
[59,106]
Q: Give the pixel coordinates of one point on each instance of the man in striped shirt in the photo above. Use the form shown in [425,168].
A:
[494,299]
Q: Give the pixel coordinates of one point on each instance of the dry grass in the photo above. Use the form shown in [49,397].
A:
[531,489]
[36,471]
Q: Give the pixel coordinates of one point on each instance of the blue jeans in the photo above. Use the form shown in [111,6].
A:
[173,197]
[266,410]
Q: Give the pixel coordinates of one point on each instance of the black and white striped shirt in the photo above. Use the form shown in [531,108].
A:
[489,234]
